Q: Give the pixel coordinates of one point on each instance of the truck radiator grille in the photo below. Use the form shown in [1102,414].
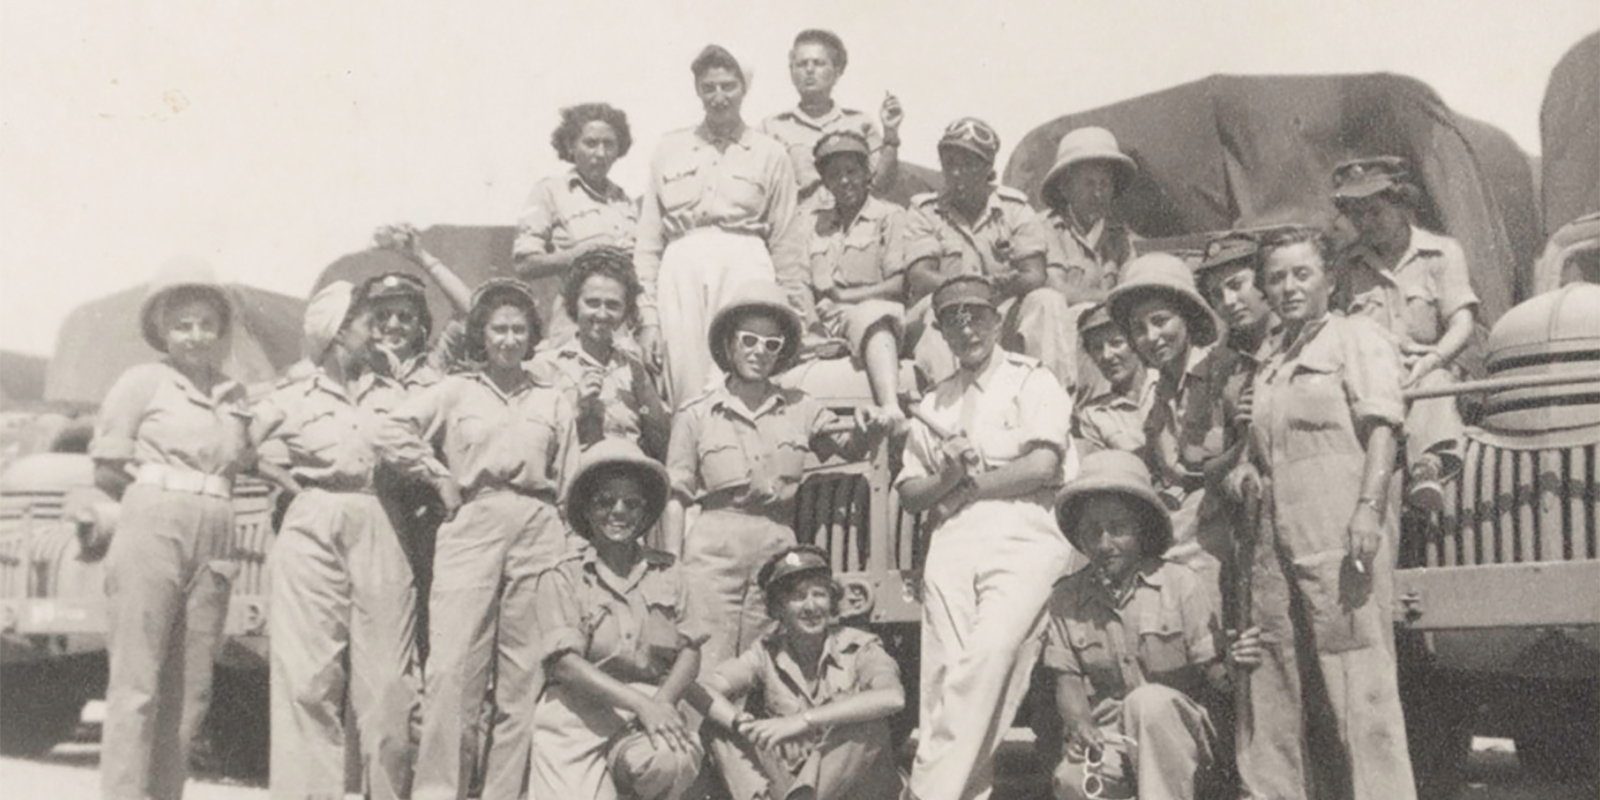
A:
[252,537]
[1518,506]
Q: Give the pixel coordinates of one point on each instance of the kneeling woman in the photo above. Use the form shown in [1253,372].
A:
[830,691]
[618,652]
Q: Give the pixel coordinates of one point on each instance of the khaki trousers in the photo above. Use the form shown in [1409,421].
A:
[167,585]
[341,588]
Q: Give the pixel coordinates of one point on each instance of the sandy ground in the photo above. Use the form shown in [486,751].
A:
[69,773]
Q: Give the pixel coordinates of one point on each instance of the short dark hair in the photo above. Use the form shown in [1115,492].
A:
[827,39]
[716,56]
[1298,234]
[604,262]
[573,118]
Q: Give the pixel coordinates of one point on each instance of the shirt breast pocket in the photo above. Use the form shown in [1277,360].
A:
[472,429]
[1094,653]
[789,457]
[1162,648]
[1318,414]
[679,188]
[722,462]
[322,432]
[746,191]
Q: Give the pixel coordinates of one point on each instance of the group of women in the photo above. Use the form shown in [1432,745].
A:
[566,658]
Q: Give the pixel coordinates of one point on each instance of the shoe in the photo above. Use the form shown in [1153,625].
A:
[1424,490]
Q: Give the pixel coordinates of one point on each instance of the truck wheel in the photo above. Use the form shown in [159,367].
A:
[41,704]
[1440,709]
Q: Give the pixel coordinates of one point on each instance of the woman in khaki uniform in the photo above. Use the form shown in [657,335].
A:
[828,691]
[737,452]
[1323,429]
[169,441]
[619,648]
[505,442]
[343,604]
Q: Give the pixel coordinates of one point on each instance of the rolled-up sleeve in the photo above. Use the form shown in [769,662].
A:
[1454,282]
[1047,412]
[536,224]
[266,427]
[1372,374]
[875,669]
[921,454]
[117,428]
[1058,655]
[919,239]
[692,630]
[1028,235]
[558,614]
[683,468]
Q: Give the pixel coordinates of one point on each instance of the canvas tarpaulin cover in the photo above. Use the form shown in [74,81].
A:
[1230,151]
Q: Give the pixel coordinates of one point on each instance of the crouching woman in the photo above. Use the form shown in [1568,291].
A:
[618,651]
[828,692]
[1130,640]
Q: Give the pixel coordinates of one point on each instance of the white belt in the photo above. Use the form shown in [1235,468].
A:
[178,479]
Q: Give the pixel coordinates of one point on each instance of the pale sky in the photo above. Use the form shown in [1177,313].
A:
[271,138]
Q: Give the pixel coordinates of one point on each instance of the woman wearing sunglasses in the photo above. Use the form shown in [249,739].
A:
[619,649]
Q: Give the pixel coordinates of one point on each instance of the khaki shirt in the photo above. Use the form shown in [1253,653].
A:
[630,627]
[321,434]
[853,661]
[729,455]
[155,415]
[1093,259]
[1416,299]
[523,441]
[1007,231]
[1111,421]
[563,212]
[799,133]
[745,186]
[623,384]
[860,252]
[1152,635]
[1011,407]
[1185,424]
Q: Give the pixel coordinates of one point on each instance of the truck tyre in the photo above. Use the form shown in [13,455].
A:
[235,739]
[42,702]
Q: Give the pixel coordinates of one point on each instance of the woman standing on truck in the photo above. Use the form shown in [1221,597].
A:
[579,210]
[719,210]
[1324,417]
[505,440]
[620,645]
[170,439]
[342,590]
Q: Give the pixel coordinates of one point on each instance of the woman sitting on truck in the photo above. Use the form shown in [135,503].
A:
[170,439]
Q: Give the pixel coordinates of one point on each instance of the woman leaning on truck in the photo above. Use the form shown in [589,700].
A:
[1322,439]
[170,439]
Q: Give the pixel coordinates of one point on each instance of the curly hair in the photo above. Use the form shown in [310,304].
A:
[603,262]
[829,40]
[573,118]
[716,56]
